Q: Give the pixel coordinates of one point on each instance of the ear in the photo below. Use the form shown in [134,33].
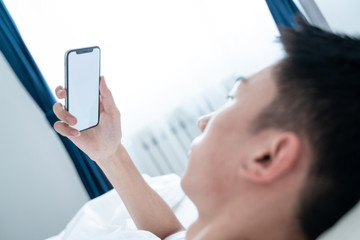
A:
[276,155]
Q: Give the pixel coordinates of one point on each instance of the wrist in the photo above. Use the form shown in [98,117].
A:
[116,156]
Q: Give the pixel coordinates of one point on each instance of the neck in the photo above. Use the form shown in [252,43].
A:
[250,224]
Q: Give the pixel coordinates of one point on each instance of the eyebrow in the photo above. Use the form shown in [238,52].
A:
[241,79]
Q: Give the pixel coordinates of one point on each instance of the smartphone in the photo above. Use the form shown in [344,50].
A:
[82,83]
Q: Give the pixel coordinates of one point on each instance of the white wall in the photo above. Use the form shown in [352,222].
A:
[342,16]
[39,188]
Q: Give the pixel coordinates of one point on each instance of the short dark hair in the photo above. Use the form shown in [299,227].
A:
[318,97]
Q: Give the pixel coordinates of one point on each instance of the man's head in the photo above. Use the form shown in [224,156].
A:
[288,137]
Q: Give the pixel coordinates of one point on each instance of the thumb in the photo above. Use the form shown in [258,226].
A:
[106,96]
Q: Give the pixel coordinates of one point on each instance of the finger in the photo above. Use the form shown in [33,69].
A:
[60,92]
[101,106]
[106,96]
[64,115]
[65,130]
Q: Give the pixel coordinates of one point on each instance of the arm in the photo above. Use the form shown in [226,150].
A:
[148,210]
[103,145]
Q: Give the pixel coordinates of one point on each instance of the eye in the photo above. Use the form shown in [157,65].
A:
[230,97]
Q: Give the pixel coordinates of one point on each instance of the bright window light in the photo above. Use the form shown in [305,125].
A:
[155,54]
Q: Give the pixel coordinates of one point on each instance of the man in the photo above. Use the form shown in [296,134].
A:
[279,160]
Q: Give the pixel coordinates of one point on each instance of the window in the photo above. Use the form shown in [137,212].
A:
[155,53]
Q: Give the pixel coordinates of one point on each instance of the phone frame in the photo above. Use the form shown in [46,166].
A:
[66,63]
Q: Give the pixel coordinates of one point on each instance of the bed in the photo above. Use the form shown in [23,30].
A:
[106,217]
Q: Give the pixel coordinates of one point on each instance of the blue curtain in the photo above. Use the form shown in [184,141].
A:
[20,59]
[283,12]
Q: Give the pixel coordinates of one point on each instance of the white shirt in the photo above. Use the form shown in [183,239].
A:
[177,236]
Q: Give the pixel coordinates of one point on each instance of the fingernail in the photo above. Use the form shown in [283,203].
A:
[70,120]
[75,133]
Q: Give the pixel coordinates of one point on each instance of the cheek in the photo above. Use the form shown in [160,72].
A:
[194,169]
[211,167]
[215,157]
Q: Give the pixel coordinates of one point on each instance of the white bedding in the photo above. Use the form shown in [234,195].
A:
[106,217]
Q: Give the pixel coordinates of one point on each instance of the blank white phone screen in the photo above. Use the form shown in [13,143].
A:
[83,76]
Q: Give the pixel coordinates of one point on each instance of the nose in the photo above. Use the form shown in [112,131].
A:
[203,121]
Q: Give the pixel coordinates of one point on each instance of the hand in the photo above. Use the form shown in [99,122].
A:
[98,142]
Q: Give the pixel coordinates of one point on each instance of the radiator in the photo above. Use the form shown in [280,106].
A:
[163,146]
